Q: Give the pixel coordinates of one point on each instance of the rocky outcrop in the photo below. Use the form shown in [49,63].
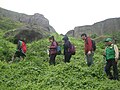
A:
[26,33]
[108,26]
[71,33]
[36,24]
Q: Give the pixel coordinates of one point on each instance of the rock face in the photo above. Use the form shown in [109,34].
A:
[26,33]
[36,24]
[71,33]
[107,26]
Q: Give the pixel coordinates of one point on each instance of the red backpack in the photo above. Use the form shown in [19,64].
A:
[24,48]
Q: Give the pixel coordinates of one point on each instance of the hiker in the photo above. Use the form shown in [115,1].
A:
[88,49]
[67,54]
[111,54]
[52,50]
[21,50]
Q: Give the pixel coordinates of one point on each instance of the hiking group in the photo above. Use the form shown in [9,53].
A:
[111,52]
[69,49]
[53,49]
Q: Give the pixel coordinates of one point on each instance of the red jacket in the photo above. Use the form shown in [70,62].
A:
[53,48]
[88,45]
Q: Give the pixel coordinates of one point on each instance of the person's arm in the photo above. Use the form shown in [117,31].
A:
[116,52]
[104,52]
[18,45]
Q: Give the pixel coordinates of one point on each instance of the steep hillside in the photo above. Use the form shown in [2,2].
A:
[108,26]
[36,25]
[34,73]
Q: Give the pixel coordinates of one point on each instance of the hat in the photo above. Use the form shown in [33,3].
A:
[108,39]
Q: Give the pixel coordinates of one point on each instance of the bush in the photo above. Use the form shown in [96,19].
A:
[35,73]
[6,50]
[93,36]
[8,24]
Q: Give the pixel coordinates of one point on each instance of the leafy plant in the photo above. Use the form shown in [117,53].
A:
[34,73]
[8,24]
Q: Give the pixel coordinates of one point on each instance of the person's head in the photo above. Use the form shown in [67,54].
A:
[51,39]
[83,36]
[65,38]
[108,41]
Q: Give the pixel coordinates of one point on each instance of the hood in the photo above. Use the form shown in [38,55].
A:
[65,38]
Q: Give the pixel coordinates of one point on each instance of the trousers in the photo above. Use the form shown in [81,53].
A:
[67,57]
[52,59]
[109,64]
[89,59]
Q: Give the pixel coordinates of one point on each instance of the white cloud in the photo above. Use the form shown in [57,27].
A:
[64,15]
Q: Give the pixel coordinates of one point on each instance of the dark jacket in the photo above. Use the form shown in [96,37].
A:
[53,48]
[66,45]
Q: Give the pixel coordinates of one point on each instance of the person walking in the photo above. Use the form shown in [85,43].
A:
[111,54]
[21,50]
[88,49]
[52,50]
[67,45]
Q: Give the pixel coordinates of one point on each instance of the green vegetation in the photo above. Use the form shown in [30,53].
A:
[116,36]
[8,24]
[93,36]
[34,73]
[6,49]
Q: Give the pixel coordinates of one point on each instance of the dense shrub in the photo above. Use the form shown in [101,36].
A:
[8,24]
[34,73]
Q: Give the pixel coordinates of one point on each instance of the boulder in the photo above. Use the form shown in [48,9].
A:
[108,26]
[34,26]
[27,33]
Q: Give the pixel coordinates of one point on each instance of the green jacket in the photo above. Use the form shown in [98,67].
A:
[110,52]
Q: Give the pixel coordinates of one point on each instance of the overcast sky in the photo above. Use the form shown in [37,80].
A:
[64,15]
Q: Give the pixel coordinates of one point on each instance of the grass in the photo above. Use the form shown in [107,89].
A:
[34,73]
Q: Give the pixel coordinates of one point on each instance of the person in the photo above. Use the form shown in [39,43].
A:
[67,44]
[111,54]
[52,50]
[88,49]
[21,50]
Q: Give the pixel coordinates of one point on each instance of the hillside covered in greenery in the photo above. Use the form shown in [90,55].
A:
[34,73]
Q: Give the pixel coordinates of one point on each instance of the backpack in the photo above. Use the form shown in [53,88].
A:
[72,49]
[23,47]
[93,45]
[58,49]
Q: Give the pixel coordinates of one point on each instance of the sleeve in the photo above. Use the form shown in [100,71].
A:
[116,51]
[53,46]
[89,44]
[19,45]
[104,52]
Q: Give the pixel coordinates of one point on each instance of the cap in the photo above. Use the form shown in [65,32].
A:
[108,39]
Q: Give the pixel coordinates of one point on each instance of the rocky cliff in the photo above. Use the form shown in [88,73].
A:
[108,26]
[36,25]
